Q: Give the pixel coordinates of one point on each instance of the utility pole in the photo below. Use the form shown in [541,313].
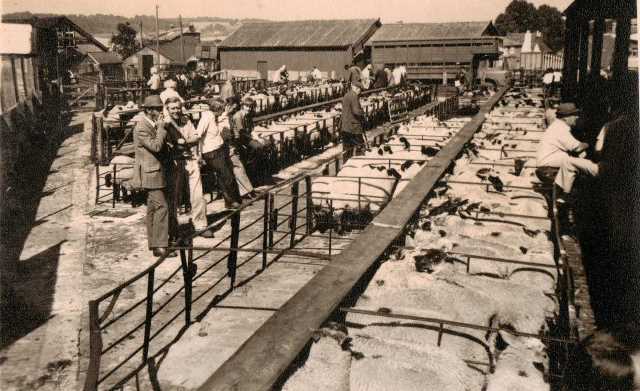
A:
[141,39]
[181,39]
[157,39]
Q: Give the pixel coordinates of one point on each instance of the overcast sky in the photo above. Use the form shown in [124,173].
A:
[388,11]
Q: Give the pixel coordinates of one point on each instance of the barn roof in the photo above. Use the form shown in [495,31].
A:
[48,22]
[303,33]
[427,31]
[105,58]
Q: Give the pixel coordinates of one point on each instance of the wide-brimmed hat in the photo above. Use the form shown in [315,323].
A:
[152,102]
[247,101]
[567,109]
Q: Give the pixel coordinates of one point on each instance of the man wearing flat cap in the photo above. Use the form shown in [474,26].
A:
[558,148]
[352,120]
[148,173]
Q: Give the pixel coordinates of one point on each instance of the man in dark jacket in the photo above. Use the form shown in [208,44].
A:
[148,173]
[352,120]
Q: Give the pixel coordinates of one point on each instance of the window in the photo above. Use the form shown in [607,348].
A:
[7,85]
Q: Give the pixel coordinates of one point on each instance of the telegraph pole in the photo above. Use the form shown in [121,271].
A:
[181,39]
[157,39]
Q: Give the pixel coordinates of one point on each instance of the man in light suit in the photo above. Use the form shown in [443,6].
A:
[150,157]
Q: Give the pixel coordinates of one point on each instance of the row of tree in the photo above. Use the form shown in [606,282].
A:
[520,16]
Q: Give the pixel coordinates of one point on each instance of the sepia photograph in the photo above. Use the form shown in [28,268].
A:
[361,195]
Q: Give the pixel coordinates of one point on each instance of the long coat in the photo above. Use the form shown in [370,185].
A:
[352,113]
[150,155]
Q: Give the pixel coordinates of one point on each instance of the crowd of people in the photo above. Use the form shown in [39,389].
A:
[370,78]
[171,154]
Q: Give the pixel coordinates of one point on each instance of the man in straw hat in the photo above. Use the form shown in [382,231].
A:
[148,174]
[558,148]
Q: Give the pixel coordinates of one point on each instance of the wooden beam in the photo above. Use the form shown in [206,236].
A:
[596,46]
[262,359]
[621,53]
[570,69]
[583,59]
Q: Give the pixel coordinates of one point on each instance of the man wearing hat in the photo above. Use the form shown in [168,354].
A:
[352,119]
[148,173]
[558,148]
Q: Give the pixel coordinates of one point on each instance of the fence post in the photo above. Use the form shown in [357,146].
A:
[309,194]
[148,315]
[266,230]
[233,254]
[95,348]
[186,275]
[295,189]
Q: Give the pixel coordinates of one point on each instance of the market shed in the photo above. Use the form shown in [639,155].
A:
[431,50]
[258,49]
[102,65]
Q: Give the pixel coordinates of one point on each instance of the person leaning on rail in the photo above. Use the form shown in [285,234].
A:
[560,149]
[151,155]
[244,183]
[352,119]
[186,157]
[214,138]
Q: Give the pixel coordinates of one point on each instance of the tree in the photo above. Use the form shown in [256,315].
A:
[551,26]
[518,17]
[125,43]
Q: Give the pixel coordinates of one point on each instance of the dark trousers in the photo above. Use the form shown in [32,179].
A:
[220,163]
[352,143]
[157,218]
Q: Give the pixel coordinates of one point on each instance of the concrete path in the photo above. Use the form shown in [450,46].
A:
[40,330]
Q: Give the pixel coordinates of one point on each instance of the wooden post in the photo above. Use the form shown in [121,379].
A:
[266,231]
[596,47]
[181,39]
[295,189]
[308,189]
[570,69]
[621,54]
[584,50]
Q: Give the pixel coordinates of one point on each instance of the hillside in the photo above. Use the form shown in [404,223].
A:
[104,25]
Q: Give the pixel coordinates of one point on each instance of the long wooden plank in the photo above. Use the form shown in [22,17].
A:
[261,360]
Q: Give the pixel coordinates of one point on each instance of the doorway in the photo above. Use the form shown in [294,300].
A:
[147,63]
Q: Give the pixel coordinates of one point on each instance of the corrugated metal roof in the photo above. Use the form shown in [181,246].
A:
[303,33]
[104,58]
[427,31]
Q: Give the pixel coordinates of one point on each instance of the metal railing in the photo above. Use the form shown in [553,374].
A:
[138,332]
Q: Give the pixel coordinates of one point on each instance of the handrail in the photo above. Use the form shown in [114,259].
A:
[188,266]
[285,334]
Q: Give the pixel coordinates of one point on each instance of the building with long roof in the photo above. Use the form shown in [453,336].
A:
[432,51]
[259,49]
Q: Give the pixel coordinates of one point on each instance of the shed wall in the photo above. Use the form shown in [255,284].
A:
[297,60]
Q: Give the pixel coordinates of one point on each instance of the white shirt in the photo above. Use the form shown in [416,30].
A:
[316,74]
[557,76]
[209,131]
[154,82]
[555,144]
[547,78]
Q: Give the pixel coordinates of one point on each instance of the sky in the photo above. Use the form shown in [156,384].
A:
[389,11]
